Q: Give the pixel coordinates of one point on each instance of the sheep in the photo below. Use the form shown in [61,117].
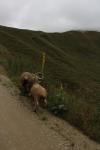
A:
[39,95]
[28,79]
[24,79]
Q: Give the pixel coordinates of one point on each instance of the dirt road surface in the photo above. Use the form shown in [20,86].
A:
[22,129]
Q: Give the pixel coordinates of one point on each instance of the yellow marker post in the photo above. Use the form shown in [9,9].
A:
[43,61]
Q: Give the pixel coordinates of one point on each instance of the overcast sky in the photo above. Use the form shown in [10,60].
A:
[51,15]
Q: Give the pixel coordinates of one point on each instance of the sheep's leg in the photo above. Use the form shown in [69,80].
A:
[36,103]
[23,88]
[33,101]
[45,101]
[27,88]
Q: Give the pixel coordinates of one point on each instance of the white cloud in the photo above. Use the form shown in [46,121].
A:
[51,15]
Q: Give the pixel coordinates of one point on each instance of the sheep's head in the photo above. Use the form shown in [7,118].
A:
[37,77]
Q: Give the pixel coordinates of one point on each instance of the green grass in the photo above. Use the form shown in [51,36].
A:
[79,112]
[72,58]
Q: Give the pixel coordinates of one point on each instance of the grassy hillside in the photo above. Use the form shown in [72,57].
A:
[72,58]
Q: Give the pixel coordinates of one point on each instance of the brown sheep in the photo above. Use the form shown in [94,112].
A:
[39,95]
[27,79]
